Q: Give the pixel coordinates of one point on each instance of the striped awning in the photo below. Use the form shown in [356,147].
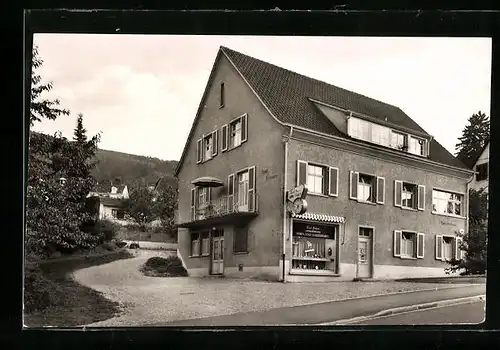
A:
[319,217]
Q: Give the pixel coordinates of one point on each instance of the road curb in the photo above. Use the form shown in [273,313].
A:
[410,308]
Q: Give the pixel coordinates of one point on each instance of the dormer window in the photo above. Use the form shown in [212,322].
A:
[399,141]
[416,146]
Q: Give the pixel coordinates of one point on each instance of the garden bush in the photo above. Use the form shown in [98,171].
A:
[39,291]
[120,244]
[134,245]
[164,267]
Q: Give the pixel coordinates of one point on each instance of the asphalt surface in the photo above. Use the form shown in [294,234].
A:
[332,311]
[467,313]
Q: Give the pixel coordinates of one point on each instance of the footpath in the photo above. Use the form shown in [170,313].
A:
[342,311]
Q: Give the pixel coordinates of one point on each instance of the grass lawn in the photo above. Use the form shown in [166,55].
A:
[76,304]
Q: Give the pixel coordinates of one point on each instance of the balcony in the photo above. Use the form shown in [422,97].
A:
[225,209]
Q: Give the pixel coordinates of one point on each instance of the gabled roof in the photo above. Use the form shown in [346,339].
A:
[480,153]
[287,95]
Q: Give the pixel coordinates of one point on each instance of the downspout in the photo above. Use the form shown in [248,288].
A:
[285,186]
[467,208]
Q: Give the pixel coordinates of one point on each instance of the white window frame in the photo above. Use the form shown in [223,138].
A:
[315,176]
[397,133]
[242,119]
[462,202]
[414,194]
[414,242]
[205,243]
[411,145]
[363,185]
[208,147]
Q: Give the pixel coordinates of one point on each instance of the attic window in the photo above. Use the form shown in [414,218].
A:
[222,95]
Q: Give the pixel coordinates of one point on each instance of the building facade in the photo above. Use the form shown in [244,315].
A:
[481,167]
[383,199]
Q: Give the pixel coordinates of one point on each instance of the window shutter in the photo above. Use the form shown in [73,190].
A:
[199,149]
[398,193]
[251,189]
[224,138]
[380,190]
[244,128]
[420,245]
[301,172]
[439,247]
[230,193]
[193,203]
[209,193]
[353,179]
[215,142]
[326,180]
[334,182]
[421,197]
[397,243]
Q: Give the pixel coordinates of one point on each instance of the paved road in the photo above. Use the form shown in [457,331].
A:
[469,313]
[332,311]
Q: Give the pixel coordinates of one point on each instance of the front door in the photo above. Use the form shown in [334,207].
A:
[217,253]
[365,252]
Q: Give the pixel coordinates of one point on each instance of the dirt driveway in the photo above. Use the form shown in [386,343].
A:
[148,300]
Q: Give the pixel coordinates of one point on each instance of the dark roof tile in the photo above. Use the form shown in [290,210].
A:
[287,94]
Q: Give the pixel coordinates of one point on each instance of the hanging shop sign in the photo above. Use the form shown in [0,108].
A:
[296,202]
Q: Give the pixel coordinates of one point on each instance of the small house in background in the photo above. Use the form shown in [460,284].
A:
[112,197]
[481,167]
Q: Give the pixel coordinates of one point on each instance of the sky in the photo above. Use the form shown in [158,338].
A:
[142,92]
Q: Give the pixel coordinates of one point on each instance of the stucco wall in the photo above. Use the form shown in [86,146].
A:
[385,218]
[263,149]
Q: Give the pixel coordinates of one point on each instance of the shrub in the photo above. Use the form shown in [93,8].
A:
[134,245]
[39,292]
[109,246]
[120,244]
[161,267]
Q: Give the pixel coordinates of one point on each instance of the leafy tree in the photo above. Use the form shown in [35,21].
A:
[165,206]
[475,241]
[474,137]
[55,212]
[140,206]
[42,108]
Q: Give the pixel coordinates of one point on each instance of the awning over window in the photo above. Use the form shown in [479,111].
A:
[319,217]
[207,181]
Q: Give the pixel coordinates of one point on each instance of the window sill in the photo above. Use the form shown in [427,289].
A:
[409,209]
[365,202]
[317,194]
[408,258]
[204,255]
[234,147]
[240,253]
[450,215]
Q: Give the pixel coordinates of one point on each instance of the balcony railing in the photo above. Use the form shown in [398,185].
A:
[226,205]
